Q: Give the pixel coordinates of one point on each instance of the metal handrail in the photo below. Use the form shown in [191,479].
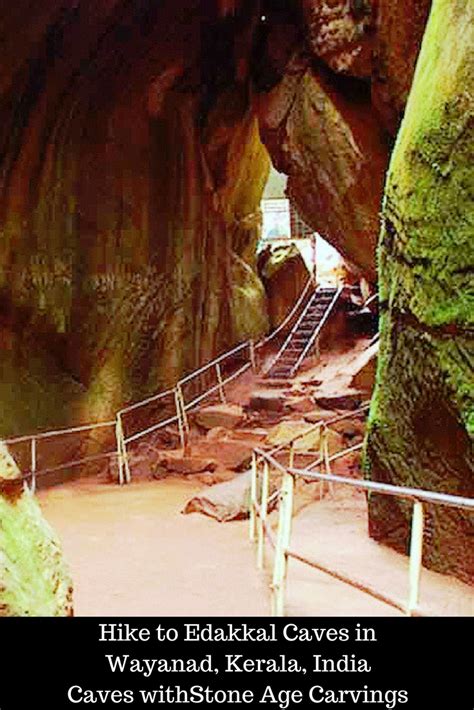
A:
[181,406]
[284,323]
[374,486]
[259,527]
[291,333]
[322,423]
[214,362]
[317,330]
[143,402]
[58,432]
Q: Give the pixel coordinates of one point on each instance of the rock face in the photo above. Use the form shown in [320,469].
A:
[34,580]
[130,184]
[132,170]
[328,115]
[366,365]
[284,275]
[422,416]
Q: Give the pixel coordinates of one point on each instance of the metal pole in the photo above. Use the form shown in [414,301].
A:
[253,360]
[119,451]
[327,462]
[220,383]
[178,414]
[282,545]
[321,458]
[183,411]
[263,515]
[416,556]
[33,465]
[128,475]
[253,498]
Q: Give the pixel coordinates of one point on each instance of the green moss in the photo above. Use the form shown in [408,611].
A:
[421,423]
[250,318]
[34,580]
[429,203]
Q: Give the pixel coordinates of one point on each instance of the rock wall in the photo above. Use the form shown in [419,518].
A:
[332,94]
[131,176]
[422,417]
[284,275]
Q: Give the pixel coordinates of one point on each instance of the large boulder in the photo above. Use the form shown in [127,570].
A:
[365,367]
[228,416]
[284,275]
[328,114]
[421,427]
[224,501]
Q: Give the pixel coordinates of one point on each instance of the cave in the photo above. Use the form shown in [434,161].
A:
[136,143]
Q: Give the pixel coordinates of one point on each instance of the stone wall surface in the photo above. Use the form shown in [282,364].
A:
[422,417]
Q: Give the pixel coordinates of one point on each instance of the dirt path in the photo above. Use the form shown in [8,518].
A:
[132,553]
[334,533]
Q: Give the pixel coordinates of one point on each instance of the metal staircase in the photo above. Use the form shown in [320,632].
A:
[304,334]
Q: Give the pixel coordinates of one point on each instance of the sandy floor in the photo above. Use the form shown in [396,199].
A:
[132,553]
[334,533]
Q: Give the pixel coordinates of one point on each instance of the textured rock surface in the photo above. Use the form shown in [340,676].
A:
[132,170]
[328,115]
[131,176]
[366,365]
[422,416]
[228,416]
[400,27]
[284,275]
[342,33]
[34,580]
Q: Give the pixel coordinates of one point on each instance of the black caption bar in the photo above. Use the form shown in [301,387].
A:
[63,664]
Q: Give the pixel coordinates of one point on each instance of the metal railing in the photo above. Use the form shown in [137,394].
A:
[175,408]
[174,403]
[260,530]
[309,284]
[317,332]
[35,440]
[315,335]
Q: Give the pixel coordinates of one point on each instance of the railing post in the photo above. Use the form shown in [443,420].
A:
[126,463]
[33,465]
[291,458]
[119,451]
[282,545]
[263,515]
[220,383]
[253,498]
[416,556]
[327,462]
[178,414]
[183,412]
[321,459]
[253,359]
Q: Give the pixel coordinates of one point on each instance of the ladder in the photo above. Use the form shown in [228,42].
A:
[304,333]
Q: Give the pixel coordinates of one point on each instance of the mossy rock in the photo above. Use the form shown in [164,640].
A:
[421,425]
[34,580]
